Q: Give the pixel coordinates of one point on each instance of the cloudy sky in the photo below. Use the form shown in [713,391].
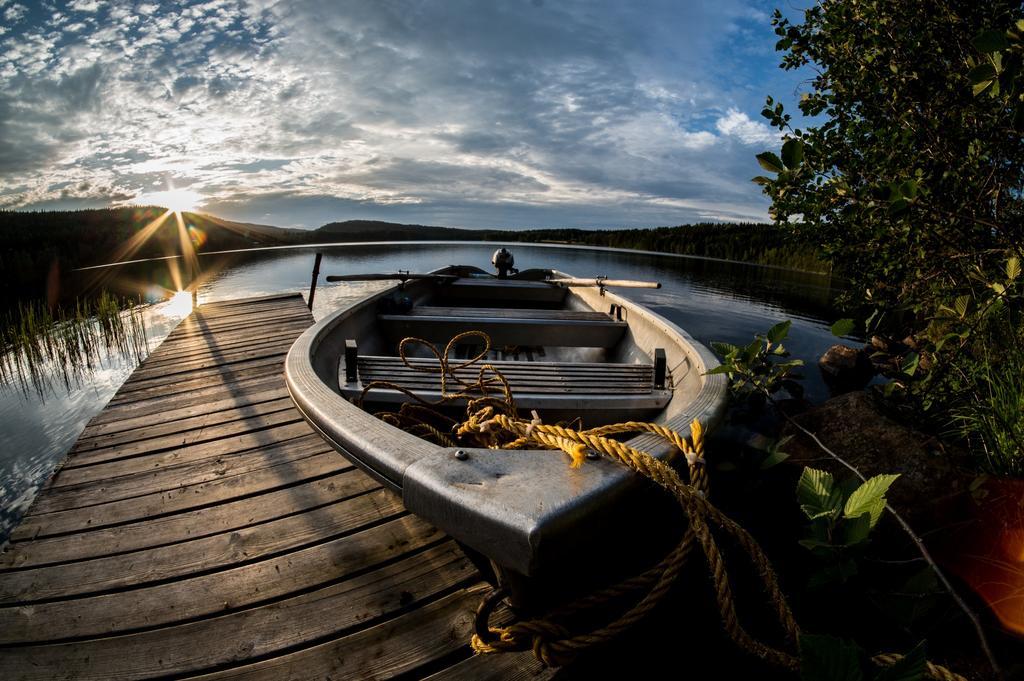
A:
[476,113]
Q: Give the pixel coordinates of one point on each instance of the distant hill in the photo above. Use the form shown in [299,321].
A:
[32,244]
[376,230]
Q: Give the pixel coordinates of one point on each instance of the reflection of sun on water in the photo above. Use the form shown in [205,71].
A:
[179,305]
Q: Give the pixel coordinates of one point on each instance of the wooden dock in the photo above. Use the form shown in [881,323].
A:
[199,528]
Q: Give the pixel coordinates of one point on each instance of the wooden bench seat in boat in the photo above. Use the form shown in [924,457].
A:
[510,290]
[535,385]
[508,326]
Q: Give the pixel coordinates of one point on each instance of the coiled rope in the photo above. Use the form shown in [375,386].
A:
[492,421]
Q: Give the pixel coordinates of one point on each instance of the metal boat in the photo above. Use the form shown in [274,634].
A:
[570,349]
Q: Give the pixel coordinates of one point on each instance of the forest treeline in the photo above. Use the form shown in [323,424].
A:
[39,246]
[745,242]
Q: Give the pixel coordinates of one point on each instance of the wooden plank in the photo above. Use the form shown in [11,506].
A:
[506,365]
[508,331]
[235,373]
[283,436]
[210,327]
[191,342]
[185,526]
[519,389]
[249,300]
[396,647]
[521,377]
[504,667]
[107,489]
[197,408]
[346,609]
[217,367]
[162,443]
[183,427]
[511,313]
[200,555]
[491,291]
[157,404]
[177,500]
[283,334]
[219,592]
[279,436]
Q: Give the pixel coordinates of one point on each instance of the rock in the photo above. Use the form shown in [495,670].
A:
[930,483]
[845,369]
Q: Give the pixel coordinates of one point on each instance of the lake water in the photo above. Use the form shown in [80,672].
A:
[712,300]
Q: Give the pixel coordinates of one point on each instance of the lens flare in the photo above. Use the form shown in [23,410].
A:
[989,555]
[196,236]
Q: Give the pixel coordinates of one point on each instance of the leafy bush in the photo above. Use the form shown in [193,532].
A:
[760,368]
[911,186]
[842,516]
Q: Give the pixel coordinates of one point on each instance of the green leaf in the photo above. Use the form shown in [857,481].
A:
[752,350]
[770,162]
[961,304]
[981,73]
[762,180]
[983,86]
[720,369]
[1012,268]
[724,349]
[856,530]
[824,658]
[909,189]
[912,667]
[779,332]
[817,494]
[910,363]
[991,41]
[793,153]
[869,498]
[843,327]
[773,459]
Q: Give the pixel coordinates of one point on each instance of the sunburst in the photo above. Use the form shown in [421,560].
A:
[175,200]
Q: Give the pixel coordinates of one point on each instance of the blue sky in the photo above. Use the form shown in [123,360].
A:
[520,113]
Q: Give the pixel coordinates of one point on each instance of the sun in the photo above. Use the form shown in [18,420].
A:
[177,200]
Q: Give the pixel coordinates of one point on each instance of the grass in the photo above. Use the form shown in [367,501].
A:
[39,344]
[993,423]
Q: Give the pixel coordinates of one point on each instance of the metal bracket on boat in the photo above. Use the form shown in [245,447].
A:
[660,366]
[600,284]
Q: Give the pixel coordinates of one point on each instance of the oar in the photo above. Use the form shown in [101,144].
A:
[399,276]
[604,281]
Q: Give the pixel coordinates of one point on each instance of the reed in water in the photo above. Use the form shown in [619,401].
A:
[39,345]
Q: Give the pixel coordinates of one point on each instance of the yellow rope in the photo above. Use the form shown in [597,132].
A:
[491,422]
[554,645]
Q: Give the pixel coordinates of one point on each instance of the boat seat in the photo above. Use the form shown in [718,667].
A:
[535,385]
[505,326]
[489,289]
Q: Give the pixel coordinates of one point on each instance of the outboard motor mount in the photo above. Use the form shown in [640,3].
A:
[503,261]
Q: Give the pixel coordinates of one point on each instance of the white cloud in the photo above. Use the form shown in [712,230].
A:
[737,124]
[85,5]
[15,13]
